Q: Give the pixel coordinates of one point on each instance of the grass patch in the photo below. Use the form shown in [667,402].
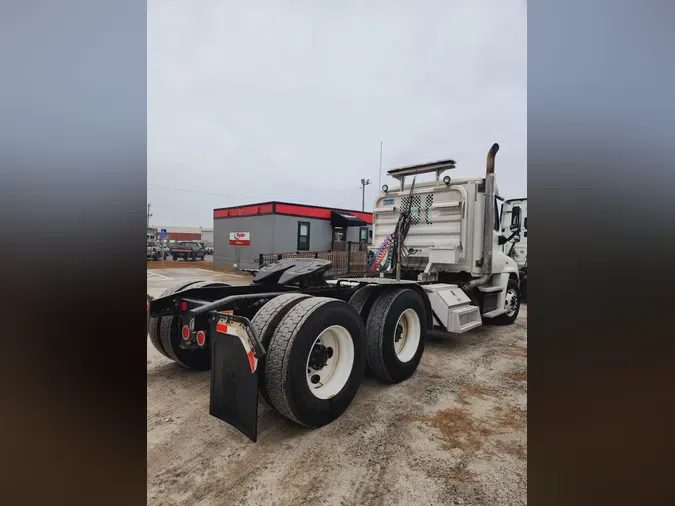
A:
[513,449]
[511,417]
[476,391]
[517,375]
[457,428]
[516,351]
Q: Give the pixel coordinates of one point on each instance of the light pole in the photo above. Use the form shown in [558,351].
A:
[364,183]
[147,221]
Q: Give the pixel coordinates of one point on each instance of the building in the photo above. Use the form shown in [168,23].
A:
[242,233]
[181,233]
[207,235]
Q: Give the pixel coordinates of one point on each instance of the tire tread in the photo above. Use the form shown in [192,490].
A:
[276,368]
[374,334]
[264,324]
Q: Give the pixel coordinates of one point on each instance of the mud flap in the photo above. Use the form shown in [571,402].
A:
[235,352]
[147,309]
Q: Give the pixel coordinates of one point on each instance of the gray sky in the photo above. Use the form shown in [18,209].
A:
[289,100]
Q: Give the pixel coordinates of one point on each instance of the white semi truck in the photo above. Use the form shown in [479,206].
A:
[301,344]
[514,212]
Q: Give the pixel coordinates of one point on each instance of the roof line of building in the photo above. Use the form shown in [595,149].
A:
[291,204]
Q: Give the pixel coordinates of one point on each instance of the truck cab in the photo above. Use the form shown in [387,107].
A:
[455,235]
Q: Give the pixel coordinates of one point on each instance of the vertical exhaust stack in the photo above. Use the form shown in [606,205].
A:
[489,215]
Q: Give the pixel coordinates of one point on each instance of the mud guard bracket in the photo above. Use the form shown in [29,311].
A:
[235,353]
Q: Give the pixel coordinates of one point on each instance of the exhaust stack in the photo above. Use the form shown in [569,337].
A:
[488,225]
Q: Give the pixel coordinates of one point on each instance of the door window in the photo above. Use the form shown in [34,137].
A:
[303,236]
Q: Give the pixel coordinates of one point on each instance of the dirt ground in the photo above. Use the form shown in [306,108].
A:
[454,433]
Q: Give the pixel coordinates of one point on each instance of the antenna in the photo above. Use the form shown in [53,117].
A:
[379,182]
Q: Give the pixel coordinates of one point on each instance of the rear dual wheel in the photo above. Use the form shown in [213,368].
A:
[395,331]
[165,331]
[317,349]
[316,357]
[154,324]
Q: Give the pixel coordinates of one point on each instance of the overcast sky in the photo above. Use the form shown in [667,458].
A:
[250,101]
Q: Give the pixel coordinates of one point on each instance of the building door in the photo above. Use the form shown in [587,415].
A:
[303,236]
[338,239]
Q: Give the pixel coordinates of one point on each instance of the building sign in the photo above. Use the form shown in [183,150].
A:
[240,238]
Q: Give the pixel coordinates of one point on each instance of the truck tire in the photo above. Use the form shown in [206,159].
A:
[318,339]
[395,334]
[264,324]
[154,325]
[363,300]
[512,305]
[175,258]
[169,333]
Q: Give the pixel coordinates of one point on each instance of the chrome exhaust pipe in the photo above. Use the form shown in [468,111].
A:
[488,225]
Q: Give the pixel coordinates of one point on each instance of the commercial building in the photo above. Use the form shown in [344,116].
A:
[174,234]
[242,233]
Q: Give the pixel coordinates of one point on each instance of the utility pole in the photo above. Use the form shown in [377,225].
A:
[364,183]
[147,220]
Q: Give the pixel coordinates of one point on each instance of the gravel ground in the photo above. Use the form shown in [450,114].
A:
[454,433]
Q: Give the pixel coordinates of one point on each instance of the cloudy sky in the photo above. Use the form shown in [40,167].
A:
[288,100]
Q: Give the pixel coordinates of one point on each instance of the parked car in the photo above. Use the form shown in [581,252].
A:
[207,247]
[187,250]
[154,251]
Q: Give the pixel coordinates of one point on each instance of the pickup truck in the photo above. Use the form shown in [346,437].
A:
[155,251]
[208,249]
[188,250]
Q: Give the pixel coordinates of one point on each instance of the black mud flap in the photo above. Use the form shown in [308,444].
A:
[147,309]
[235,353]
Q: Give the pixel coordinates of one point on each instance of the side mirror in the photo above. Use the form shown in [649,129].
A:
[525,223]
[501,240]
[515,219]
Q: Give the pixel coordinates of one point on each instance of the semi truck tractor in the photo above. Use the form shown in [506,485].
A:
[514,214]
[301,344]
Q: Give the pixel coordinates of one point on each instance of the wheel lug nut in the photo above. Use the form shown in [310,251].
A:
[315,378]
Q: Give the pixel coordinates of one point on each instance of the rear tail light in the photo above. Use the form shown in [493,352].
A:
[201,338]
[186,332]
[183,306]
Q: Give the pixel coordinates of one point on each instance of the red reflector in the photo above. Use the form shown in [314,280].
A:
[201,338]
[186,332]
[183,306]
[222,328]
